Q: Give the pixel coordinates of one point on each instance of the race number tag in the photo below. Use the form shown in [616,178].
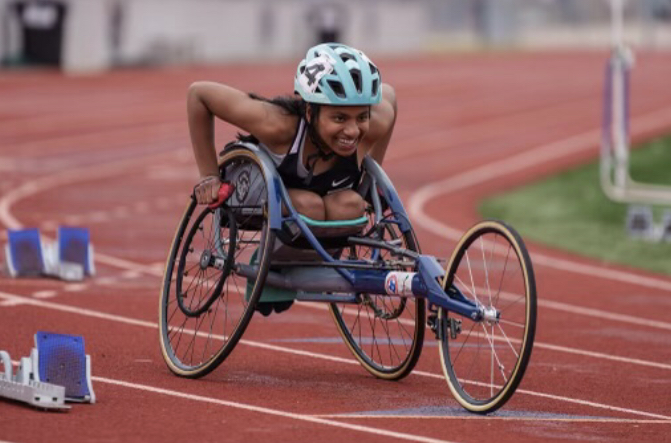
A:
[314,71]
[399,283]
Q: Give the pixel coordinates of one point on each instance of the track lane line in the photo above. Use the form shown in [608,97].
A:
[269,411]
[516,163]
[263,410]
[151,325]
[494,417]
[564,349]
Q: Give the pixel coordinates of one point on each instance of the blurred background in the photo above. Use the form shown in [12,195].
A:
[96,35]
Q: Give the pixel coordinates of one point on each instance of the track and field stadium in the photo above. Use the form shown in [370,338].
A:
[110,151]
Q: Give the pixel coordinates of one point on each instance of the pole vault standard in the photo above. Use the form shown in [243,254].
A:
[616,180]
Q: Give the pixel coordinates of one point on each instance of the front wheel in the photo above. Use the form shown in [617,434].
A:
[484,360]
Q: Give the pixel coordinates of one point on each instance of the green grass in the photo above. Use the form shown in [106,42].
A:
[569,211]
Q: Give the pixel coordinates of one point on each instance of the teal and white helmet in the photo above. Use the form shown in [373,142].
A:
[335,74]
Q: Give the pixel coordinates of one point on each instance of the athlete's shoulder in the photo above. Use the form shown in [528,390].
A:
[383,115]
[281,132]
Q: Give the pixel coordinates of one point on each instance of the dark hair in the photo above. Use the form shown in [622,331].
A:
[291,105]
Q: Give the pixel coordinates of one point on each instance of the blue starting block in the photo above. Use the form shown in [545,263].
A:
[69,258]
[61,360]
[57,371]
[24,253]
[74,246]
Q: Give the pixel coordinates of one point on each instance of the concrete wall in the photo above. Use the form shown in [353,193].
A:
[104,33]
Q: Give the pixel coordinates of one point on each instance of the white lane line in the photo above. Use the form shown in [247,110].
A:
[12,302]
[71,176]
[557,348]
[120,212]
[598,313]
[44,294]
[129,265]
[519,162]
[417,200]
[146,324]
[567,399]
[75,287]
[494,417]
[268,411]
[106,281]
[130,274]
[591,312]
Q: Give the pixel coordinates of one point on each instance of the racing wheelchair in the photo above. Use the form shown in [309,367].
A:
[252,251]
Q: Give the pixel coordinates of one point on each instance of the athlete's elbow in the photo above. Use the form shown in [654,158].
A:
[197,98]
[389,96]
[196,91]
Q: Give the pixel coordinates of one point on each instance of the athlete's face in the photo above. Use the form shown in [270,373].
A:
[343,127]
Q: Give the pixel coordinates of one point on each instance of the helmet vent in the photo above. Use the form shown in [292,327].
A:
[337,88]
[356,77]
[345,56]
[374,88]
[373,69]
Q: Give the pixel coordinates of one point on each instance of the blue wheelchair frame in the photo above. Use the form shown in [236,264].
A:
[342,276]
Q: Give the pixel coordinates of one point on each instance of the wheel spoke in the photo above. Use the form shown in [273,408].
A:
[484,263]
[507,340]
[498,345]
[393,325]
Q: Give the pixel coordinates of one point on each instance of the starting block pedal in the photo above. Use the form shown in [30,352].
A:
[25,389]
[24,253]
[61,360]
[70,258]
[74,247]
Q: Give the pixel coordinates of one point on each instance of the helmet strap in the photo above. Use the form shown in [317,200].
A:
[323,151]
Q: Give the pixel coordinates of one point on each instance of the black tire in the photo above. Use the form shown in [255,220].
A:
[384,333]
[198,334]
[484,361]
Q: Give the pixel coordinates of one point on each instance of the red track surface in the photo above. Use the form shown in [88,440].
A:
[111,152]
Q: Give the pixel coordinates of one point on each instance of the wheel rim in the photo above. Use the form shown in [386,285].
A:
[485,361]
[202,268]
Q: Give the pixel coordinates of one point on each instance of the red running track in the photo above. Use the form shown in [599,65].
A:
[111,153]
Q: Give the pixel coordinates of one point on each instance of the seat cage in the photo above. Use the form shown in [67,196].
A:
[346,276]
[373,178]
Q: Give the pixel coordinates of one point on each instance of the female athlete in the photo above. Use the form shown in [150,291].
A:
[317,138]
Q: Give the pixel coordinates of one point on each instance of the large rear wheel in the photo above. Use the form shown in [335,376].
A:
[205,305]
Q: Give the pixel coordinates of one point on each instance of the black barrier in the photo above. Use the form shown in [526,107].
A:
[41,26]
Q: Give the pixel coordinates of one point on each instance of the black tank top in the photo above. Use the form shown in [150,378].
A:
[344,174]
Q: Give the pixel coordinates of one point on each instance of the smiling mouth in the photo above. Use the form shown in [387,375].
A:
[348,143]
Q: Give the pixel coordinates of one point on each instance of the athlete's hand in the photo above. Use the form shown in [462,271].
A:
[207,191]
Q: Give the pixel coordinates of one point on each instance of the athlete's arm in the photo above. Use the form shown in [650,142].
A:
[206,100]
[382,120]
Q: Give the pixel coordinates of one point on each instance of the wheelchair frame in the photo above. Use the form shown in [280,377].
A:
[335,277]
